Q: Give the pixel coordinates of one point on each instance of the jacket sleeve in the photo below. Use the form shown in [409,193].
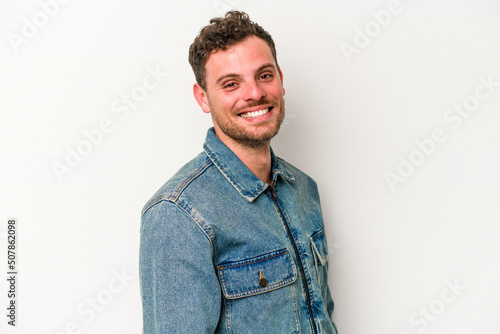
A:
[179,286]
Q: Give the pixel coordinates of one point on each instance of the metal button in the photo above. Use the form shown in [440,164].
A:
[262,280]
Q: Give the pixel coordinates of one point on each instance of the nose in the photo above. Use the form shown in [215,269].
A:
[254,91]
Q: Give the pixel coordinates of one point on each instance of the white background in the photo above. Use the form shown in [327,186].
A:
[350,121]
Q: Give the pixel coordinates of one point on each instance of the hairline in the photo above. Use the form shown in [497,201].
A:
[275,65]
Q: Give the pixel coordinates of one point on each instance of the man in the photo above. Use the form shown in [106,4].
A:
[234,241]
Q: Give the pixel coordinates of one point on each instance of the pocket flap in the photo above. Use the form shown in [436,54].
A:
[320,250]
[257,275]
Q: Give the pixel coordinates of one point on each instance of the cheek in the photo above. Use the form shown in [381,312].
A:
[230,101]
[221,102]
[277,90]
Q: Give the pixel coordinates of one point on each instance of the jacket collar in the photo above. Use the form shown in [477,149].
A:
[234,170]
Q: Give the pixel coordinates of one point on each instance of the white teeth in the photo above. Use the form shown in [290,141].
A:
[253,114]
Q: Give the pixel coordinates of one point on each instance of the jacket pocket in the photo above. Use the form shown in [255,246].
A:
[257,275]
[320,255]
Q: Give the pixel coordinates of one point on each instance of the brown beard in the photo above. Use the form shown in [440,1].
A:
[245,139]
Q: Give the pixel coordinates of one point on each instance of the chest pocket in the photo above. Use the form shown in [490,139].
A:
[257,275]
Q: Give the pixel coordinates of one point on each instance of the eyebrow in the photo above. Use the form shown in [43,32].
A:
[234,75]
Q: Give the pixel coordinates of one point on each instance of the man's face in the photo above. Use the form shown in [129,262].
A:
[244,93]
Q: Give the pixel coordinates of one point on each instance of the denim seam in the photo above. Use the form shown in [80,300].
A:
[271,287]
[317,254]
[317,261]
[228,315]
[245,263]
[295,309]
[288,174]
[177,192]
[258,291]
[317,234]
[190,178]
[309,283]
[187,211]
[184,207]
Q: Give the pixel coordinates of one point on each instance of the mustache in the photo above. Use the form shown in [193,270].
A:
[261,102]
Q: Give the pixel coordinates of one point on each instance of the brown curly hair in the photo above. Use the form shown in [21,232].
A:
[220,34]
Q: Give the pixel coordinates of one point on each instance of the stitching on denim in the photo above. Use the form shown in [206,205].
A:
[175,195]
[319,233]
[258,192]
[197,221]
[187,211]
[223,171]
[245,263]
[295,309]
[228,314]
[271,287]
[289,175]
[316,253]
[151,204]
[285,174]
[317,260]
[308,281]
[189,179]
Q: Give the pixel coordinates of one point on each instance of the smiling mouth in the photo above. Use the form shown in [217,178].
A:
[257,113]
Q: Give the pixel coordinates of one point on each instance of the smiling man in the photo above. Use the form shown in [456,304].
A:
[234,242]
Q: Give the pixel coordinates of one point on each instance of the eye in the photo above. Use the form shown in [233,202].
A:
[266,76]
[229,85]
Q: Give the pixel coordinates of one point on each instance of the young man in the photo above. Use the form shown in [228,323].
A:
[234,241]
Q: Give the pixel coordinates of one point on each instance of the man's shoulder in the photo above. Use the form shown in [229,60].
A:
[172,189]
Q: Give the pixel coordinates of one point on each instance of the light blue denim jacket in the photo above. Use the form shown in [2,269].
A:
[223,252]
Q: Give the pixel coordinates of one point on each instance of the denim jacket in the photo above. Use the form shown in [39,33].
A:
[223,252]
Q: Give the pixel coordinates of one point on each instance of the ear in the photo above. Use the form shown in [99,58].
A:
[281,79]
[201,97]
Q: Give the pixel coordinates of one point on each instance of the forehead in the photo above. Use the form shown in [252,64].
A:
[243,58]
